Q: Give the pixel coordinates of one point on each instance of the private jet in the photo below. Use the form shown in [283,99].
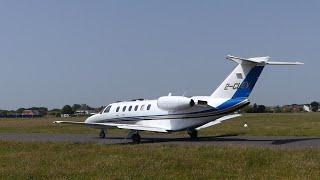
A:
[179,113]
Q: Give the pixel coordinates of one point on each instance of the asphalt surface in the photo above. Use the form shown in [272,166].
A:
[256,141]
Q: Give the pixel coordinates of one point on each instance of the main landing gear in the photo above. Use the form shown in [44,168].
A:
[102,134]
[135,136]
[193,134]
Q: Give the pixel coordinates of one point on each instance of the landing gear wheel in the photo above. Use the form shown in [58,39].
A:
[136,138]
[193,134]
[102,134]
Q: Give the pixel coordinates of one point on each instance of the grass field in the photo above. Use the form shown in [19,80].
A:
[89,161]
[302,124]
[35,160]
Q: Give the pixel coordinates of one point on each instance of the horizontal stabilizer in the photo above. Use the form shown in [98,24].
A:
[260,61]
[284,63]
[218,121]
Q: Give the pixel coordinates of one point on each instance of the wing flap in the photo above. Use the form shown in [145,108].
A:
[120,126]
[141,128]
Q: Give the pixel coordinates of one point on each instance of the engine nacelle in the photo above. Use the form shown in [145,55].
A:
[175,103]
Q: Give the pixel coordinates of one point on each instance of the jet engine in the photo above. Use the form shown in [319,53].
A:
[175,103]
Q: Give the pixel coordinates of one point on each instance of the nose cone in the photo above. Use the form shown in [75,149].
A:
[91,119]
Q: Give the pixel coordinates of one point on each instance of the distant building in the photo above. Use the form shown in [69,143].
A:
[274,109]
[84,112]
[307,108]
[292,108]
[286,108]
[65,115]
[297,108]
[31,114]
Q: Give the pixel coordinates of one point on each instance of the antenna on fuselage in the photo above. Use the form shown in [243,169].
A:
[185,93]
[170,94]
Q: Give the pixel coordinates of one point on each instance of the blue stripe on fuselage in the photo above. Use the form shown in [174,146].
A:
[230,103]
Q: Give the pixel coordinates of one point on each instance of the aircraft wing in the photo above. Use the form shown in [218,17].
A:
[218,121]
[120,126]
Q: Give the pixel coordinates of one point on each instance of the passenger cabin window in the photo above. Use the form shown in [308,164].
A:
[124,108]
[107,109]
[130,108]
[136,108]
[149,107]
[118,108]
[142,108]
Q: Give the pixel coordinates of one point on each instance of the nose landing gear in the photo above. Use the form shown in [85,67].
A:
[135,136]
[102,134]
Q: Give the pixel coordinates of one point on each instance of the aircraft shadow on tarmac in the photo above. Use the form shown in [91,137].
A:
[224,138]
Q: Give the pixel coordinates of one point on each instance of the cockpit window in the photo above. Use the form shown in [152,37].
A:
[107,109]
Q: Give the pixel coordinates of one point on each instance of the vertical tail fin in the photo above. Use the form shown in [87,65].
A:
[241,81]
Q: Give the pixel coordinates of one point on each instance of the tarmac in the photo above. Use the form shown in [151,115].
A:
[290,142]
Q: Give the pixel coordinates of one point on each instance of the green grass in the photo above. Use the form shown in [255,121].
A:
[91,161]
[301,124]
[42,125]
[35,160]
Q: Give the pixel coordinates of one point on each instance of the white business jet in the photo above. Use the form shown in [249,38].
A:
[178,113]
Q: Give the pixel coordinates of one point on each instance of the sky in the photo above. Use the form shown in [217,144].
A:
[54,53]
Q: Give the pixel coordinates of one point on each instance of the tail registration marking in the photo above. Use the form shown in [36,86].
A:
[235,86]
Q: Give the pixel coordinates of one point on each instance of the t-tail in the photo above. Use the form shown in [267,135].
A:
[241,81]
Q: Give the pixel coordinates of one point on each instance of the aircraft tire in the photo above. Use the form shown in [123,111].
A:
[136,138]
[102,134]
[193,134]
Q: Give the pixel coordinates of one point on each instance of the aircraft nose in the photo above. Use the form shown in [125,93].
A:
[90,119]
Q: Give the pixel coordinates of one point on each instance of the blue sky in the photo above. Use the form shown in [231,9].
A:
[63,52]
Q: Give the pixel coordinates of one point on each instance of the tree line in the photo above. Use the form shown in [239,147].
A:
[255,108]
[72,109]
[67,109]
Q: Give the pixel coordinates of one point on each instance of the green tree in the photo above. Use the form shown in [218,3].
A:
[85,107]
[20,110]
[67,110]
[278,109]
[314,106]
[55,112]
[248,109]
[76,107]
[261,109]
[42,110]
[3,113]
[255,108]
